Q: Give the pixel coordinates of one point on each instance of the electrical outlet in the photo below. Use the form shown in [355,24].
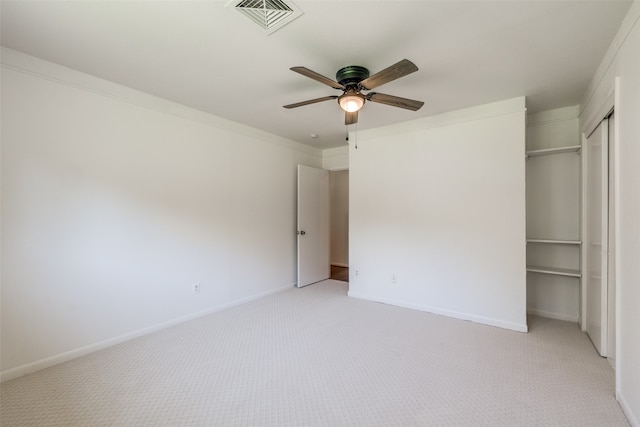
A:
[196,288]
[394,279]
[356,272]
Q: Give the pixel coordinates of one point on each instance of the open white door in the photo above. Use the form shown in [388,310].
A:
[597,236]
[313,225]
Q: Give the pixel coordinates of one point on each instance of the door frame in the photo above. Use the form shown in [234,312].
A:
[340,169]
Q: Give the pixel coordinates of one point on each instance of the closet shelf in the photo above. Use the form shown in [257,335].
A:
[557,150]
[555,271]
[555,241]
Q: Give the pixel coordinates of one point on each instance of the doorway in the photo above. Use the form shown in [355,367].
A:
[339,224]
[322,225]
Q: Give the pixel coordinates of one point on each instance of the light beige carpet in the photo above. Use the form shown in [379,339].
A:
[314,357]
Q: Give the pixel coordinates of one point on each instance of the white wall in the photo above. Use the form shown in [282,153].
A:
[335,159]
[440,203]
[553,212]
[623,61]
[339,194]
[114,203]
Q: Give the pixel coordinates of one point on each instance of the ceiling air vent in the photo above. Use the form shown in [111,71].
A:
[270,15]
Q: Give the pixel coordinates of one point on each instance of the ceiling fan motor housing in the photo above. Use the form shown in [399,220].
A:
[351,75]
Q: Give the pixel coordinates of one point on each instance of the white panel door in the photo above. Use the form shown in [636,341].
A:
[313,225]
[597,236]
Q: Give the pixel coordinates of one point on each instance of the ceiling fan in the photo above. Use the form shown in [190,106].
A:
[353,79]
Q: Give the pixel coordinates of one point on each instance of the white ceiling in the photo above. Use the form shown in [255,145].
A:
[210,57]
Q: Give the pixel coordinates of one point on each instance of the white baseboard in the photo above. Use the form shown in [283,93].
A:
[448,313]
[340,264]
[81,351]
[551,315]
[631,417]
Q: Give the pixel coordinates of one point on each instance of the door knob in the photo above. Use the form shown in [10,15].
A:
[302,232]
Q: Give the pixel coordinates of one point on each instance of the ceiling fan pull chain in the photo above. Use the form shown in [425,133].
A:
[356,146]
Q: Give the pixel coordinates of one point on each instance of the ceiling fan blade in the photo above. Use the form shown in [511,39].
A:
[317,77]
[397,70]
[350,118]
[395,101]
[311,101]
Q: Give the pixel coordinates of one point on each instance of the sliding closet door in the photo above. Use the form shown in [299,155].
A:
[611,283]
[597,240]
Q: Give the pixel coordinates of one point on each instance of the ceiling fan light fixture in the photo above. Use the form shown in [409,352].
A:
[351,102]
